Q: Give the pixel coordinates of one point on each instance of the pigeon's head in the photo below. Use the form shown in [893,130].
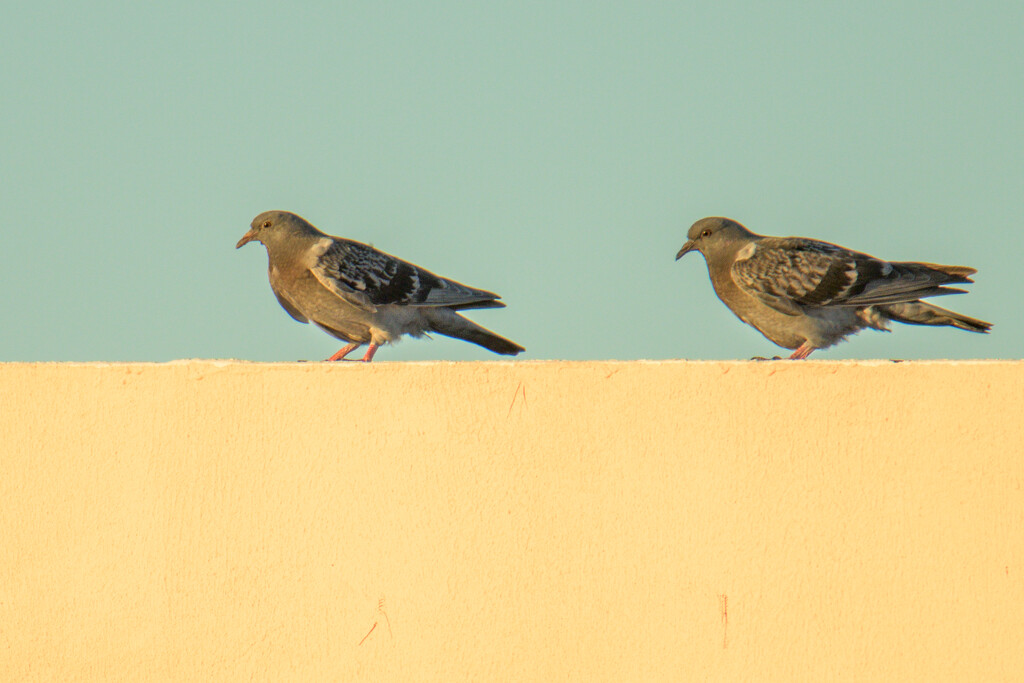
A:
[271,227]
[714,235]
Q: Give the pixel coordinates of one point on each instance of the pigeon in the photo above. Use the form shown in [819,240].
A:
[805,294]
[361,295]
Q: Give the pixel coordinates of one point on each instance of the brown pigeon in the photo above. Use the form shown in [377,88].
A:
[361,295]
[805,294]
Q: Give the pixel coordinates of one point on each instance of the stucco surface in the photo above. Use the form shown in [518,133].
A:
[204,520]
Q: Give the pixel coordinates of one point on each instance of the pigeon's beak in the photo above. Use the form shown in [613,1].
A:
[687,248]
[247,237]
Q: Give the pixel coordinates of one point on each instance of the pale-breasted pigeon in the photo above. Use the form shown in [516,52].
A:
[361,295]
[805,294]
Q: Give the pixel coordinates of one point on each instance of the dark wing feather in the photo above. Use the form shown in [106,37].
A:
[357,272]
[908,281]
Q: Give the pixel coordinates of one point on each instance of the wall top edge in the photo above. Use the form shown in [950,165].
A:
[219,363]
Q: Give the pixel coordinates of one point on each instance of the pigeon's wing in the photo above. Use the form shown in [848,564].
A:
[788,273]
[369,278]
[288,306]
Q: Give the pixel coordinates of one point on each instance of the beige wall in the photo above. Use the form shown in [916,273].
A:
[523,521]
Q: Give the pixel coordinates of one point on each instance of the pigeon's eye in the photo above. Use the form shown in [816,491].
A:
[266,224]
[706,233]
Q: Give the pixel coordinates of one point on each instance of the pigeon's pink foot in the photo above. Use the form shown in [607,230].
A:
[802,352]
[344,352]
[372,349]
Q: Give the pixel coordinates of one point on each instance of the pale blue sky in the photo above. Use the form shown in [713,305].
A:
[553,152]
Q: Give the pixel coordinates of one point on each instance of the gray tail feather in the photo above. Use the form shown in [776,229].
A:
[920,313]
[449,323]
[477,304]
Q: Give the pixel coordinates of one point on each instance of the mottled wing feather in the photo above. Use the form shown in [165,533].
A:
[787,273]
[362,274]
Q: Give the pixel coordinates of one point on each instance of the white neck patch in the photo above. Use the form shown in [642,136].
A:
[746,252]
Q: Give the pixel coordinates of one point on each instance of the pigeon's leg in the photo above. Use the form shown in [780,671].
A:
[345,351]
[802,351]
[370,350]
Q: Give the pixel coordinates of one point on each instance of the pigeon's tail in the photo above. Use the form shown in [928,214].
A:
[920,313]
[449,323]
